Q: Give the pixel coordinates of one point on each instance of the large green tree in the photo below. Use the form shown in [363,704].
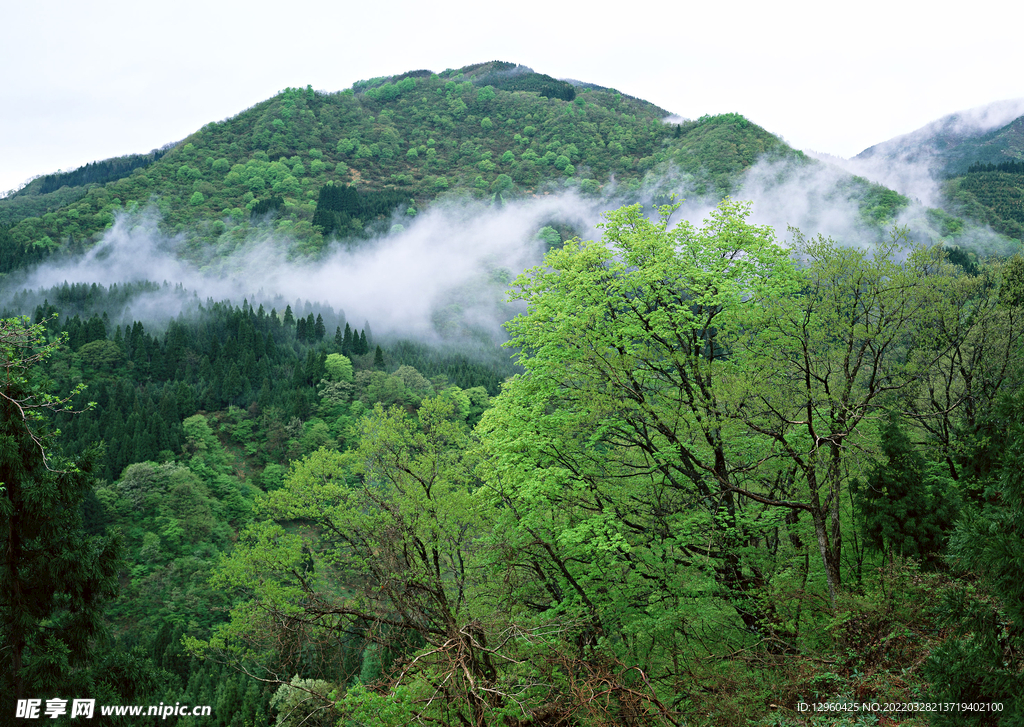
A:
[615,458]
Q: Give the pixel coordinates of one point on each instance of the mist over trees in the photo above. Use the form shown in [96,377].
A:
[716,471]
[722,463]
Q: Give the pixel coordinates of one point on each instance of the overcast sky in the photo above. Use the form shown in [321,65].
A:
[89,80]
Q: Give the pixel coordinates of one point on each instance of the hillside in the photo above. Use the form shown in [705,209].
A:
[972,156]
[988,134]
[490,130]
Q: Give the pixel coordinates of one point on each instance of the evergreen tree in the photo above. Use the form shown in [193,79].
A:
[984,659]
[346,342]
[378,359]
[319,329]
[53,577]
[905,506]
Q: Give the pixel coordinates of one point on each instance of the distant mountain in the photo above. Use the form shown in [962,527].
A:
[987,134]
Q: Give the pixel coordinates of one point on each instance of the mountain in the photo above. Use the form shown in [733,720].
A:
[495,130]
[968,163]
[314,166]
[988,134]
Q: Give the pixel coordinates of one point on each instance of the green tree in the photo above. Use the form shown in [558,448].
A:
[54,578]
[612,459]
[982,661]
[338,367]
[860,332]
[906,506]
[399,528]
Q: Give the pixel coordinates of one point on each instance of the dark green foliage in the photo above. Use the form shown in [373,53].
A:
[338,205]
[906,508]
[963,259]
[265,206]
[983,662]
[529,81]
[1007,167]
[55,577]
[15,255]
[100,172]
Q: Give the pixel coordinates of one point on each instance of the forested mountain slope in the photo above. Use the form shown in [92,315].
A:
[492,130]
[989,135]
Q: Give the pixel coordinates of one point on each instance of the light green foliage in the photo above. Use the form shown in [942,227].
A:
[863,328]
[396,548]
[102,354]
[338,367]
[207,454]
[606,483]
[304,702]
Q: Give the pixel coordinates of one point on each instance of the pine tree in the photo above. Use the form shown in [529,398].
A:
[905,508]
[319,329]
[378,359]
[363,346]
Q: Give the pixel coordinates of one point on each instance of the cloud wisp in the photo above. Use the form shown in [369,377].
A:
[398,281]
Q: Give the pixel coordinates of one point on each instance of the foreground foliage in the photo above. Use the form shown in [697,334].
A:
[729,477]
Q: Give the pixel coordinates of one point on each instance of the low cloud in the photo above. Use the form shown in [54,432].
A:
[440,261]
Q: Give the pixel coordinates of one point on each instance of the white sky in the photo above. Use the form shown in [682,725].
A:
[89,80]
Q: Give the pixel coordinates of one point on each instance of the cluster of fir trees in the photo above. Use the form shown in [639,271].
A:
[268,365]
[338,205]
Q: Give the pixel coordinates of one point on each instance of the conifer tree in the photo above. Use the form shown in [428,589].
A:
[53,577]
[346,342]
